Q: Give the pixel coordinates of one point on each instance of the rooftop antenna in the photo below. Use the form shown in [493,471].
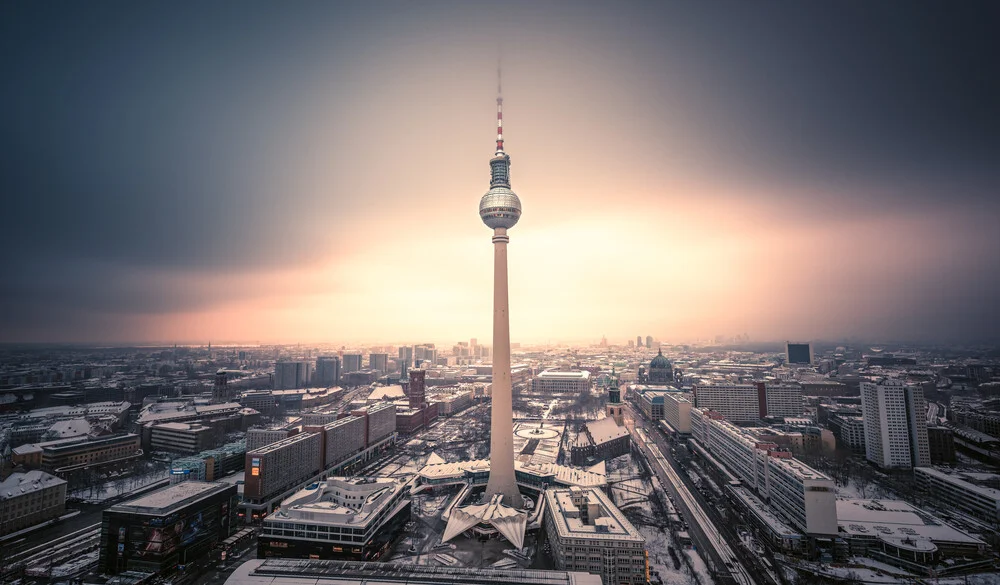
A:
[499,107]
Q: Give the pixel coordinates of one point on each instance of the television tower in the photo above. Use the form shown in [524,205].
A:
[500,209]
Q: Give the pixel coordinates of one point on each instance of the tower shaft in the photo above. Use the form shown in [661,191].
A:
[502,420]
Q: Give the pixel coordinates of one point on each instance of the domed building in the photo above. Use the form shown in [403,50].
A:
[660,370]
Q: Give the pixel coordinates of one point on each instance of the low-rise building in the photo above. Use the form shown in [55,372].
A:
[588,533]
[340,518]
[171,526]
[569,381]
[600,440]
[895,532]
[30,498]
[952,490]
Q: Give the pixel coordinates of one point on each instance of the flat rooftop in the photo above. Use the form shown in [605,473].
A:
[892,520]
[168,499]
[318,572]
[569,505]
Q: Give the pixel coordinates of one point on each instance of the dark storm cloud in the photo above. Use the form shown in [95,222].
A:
[141,135]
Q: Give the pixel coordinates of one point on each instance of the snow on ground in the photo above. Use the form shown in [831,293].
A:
[702,575]
[658,543]
[116,487]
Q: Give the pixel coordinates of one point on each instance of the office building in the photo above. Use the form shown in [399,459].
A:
[182,437]
[555,381]
[339,518]
[849,430]
[798,353]
[380,421]
[950,489]
[352,362]
[588,533]
[405,358]
[800,494]
[677,412]
[292,374]
[750,402]
[75,454]
[941,443]
[894,532]
[638,340]
[895,418]
[342,439]
[257,438]
[282,465]
[378,362]
[327,371]
[167,528]
[30,498]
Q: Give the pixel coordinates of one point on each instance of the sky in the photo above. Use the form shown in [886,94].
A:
[311,171]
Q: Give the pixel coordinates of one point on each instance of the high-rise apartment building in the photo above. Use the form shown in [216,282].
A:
[379,362]
[649,341]
[327,371]
[895,424]
[405,358]
[638,340]
[292,374]
[352,362]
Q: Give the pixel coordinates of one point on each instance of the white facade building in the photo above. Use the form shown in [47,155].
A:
[895,424]
[677,411]
[797,492]
[561,381]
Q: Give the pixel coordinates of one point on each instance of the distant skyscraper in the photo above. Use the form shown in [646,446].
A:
[352,363]
[649,341]
[631,343]
[379,362]
[798,353]
[895,419]
[405,358]
[292,374]
[638,340]
[500,209]
[327,371]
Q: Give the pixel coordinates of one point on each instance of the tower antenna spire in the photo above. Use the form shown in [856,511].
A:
[499,108]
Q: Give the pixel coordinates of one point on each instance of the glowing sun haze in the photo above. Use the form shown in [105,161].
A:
[311,173]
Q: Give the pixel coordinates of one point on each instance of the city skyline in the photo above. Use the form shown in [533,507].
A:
[819,172]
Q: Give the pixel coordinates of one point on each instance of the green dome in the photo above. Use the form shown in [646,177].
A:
[659,362]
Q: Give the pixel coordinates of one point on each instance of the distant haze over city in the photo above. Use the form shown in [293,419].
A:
[687,170]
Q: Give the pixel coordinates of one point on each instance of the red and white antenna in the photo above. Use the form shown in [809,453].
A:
[499,110]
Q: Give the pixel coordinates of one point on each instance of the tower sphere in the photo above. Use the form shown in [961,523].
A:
[500,208]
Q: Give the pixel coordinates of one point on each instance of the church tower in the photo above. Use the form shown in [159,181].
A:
[613,409]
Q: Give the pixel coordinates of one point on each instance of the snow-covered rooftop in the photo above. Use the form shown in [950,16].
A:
[164,500]
[18,484]
[899,523]
[605,429]
[588,513]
